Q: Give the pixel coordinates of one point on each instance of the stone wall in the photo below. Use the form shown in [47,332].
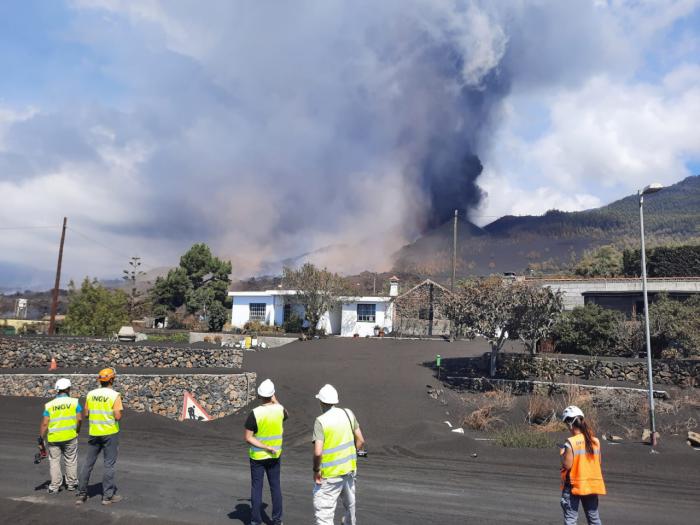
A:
[678,372]
[219,395]
[36,352]
[524,386]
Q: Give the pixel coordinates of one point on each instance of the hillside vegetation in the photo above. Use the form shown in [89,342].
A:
[556,240]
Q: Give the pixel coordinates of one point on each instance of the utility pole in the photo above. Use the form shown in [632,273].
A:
[54,299]
[454,253]
[652,188]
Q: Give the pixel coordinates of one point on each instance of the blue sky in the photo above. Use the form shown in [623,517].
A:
[156,124]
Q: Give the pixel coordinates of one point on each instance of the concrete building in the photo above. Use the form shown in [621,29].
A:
[354,315]
[622,294]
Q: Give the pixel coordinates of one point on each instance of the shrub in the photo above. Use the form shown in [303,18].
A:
[177,337]
[675,324]
[255,326]
[294,324]
[500,398]
[481,419]
[523,437]
[540,410]
[588,330]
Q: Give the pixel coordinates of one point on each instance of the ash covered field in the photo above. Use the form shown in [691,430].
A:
[417,472]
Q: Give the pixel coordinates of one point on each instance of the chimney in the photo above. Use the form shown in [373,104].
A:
[394,286]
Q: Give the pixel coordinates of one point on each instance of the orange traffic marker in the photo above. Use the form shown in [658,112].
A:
[53,365]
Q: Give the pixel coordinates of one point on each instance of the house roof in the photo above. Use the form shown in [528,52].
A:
[427,281]
[343,298]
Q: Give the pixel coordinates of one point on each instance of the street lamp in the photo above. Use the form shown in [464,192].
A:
[652,188]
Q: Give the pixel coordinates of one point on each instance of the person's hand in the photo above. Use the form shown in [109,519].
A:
[271,450]
[317,478]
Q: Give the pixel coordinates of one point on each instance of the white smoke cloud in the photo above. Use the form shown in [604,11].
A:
[271,130]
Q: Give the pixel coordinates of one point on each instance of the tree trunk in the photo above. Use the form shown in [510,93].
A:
[494,357]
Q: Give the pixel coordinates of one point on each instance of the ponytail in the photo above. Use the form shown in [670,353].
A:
[581,424]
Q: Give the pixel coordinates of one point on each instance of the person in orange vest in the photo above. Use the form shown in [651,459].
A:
[103,409]
[581,473]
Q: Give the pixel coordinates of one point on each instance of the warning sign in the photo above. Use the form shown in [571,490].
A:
[193,410]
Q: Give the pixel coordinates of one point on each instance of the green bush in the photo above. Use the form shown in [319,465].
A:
[218,315]
[588,330]
[675,325]
[523,437]
[293,325]
[176,337]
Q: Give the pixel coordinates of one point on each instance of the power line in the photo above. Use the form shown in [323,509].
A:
[5,228]
[105,246]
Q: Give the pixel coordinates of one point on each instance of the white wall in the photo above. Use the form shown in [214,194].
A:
[340,321]
[350,325]
[241,309]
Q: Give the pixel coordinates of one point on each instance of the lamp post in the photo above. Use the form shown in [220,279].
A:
[652,188]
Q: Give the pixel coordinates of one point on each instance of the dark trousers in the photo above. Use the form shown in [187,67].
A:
[258,469]
[109,446]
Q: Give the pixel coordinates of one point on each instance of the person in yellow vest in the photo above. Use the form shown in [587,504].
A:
[337,441]
[264,428]
[581,473]
[103,408]
[60,427]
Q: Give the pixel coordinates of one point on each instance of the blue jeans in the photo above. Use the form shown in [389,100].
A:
[570,502]
[258,469]
[109,446]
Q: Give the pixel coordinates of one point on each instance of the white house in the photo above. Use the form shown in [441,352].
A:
[355,315]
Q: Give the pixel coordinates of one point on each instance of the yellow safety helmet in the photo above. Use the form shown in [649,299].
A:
[106,374]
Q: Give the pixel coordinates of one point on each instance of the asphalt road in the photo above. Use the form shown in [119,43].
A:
[417,472]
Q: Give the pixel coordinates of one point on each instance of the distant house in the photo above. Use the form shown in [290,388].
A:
[622,294]
[354,315]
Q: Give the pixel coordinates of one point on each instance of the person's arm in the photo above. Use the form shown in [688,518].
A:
[318,452]
[567,458]
[79,417]
[44,426]
[255,442]
[359,439]
[118,408]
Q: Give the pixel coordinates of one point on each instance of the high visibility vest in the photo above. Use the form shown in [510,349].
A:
[586,475]
[339,453]
[100,404]
[270,421]
[63,419]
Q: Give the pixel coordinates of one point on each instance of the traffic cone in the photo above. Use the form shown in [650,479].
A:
[53,365]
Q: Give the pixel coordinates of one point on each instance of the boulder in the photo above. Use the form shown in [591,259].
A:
[613,438]
[693,439]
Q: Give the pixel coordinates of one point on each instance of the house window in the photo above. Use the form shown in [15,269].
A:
[424,314]
[366,313]
[256,311]
[287,312]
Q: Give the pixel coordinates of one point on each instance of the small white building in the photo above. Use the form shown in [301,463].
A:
[354,315]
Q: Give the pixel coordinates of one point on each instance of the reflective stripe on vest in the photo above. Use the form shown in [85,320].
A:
[63,419]
[586,475]
[100,405]
[339,453]
[270,421]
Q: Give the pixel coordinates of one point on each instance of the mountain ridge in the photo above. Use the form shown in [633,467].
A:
[553,241]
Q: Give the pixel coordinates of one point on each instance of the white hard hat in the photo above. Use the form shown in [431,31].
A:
[328,395]
[63,384]
[266,389]
[571,412]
